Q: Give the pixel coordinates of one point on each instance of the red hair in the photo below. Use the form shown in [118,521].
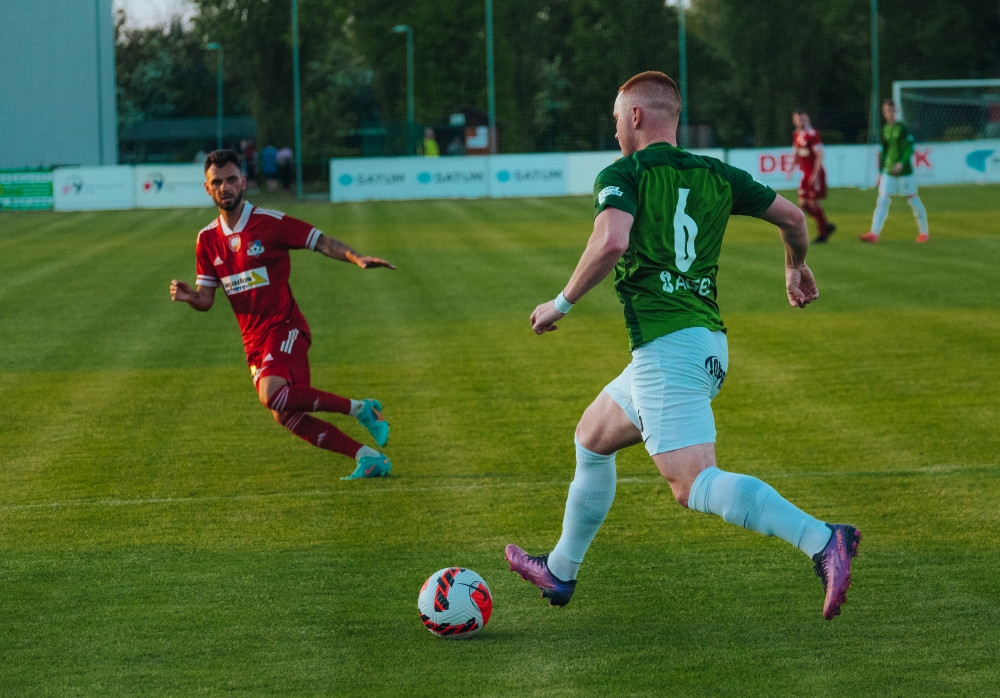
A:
[655,90]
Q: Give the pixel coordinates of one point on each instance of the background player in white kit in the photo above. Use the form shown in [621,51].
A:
[896,176]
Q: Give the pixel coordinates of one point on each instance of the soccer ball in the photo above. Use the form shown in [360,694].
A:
[455,603]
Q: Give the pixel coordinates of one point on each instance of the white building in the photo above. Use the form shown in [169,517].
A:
[57,84]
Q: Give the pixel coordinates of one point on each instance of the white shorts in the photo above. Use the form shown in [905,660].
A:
[905,185]
[667,390]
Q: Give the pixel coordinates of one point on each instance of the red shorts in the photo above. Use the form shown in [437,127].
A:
[818,188]
[284,353]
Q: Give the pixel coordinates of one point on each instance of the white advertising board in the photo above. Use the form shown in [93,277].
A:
[964,162]
[93,188]
[364,179]
[770,166]
[582,169]
[168,186]
[846,165]
[557,174]
[542,174]
[471,177]
[450,178]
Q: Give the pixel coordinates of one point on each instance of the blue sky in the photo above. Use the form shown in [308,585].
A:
[148,13]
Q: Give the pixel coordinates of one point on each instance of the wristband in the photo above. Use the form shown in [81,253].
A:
[561,304]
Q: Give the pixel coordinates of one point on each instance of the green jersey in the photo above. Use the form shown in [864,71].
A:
[681,203]
[897,146]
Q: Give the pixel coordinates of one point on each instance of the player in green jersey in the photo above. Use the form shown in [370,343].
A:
[660,216]
[896,176]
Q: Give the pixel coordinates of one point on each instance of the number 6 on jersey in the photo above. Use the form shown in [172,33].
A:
[685,230]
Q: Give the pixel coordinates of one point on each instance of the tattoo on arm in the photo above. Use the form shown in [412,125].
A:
[335,249]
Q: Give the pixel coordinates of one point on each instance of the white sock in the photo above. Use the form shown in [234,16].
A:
[756,506]
[919,212]
[365,451]
[356,406]
[590,496]
[881,213]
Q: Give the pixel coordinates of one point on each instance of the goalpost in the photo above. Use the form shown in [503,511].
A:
[949,110]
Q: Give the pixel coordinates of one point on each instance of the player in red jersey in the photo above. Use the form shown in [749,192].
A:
[245,251]
[809,158]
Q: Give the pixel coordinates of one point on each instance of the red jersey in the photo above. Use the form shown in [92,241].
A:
[252,265]
[806,142]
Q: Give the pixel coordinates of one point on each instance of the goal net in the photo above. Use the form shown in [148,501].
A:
[949,110]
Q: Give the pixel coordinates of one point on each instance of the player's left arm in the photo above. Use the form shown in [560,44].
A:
[335,249]
[817,162]
[799,281]
[606,246]
[906,149]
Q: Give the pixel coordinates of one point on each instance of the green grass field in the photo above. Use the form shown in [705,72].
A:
[161,535]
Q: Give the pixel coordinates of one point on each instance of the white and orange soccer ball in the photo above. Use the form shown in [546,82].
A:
[455,603]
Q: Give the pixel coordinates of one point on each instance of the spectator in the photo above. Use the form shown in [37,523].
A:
[250,165]
[285,160]
[269,164]
[456,147]
[431,149]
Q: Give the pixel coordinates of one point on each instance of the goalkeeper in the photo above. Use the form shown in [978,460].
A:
[896,176]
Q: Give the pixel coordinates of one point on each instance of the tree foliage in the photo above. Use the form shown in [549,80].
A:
[162,72]
[558,63]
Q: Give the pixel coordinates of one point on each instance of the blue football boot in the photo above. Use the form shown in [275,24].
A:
[371,466]
[371,419]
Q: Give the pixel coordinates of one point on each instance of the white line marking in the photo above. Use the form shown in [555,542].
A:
[929,470]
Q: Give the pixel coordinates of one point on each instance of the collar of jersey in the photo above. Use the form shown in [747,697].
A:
[657,144]
[240,224]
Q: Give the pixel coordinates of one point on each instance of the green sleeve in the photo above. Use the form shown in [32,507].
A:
[881,155]
[616,186]
[750,197]
[906,144]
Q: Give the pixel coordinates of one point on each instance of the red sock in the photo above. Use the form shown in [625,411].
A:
[816,211]
[320,434]
[302,398]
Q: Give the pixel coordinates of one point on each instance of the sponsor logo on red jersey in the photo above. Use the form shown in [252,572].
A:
[245,281]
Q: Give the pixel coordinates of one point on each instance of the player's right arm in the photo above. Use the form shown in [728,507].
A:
[606,245]
[791,222]
[615,205]
[795,159]
[201,298]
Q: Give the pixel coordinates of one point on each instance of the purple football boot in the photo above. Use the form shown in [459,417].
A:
[833,566]
[535,569]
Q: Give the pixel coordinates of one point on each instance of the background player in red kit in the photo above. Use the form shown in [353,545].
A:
[245,251]
[809,158]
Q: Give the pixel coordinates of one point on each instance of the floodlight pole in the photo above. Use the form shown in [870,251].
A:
[100,86]
[410,119]
[216,46]
[491,99]
[873,129]
[682,44]
[297,96]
